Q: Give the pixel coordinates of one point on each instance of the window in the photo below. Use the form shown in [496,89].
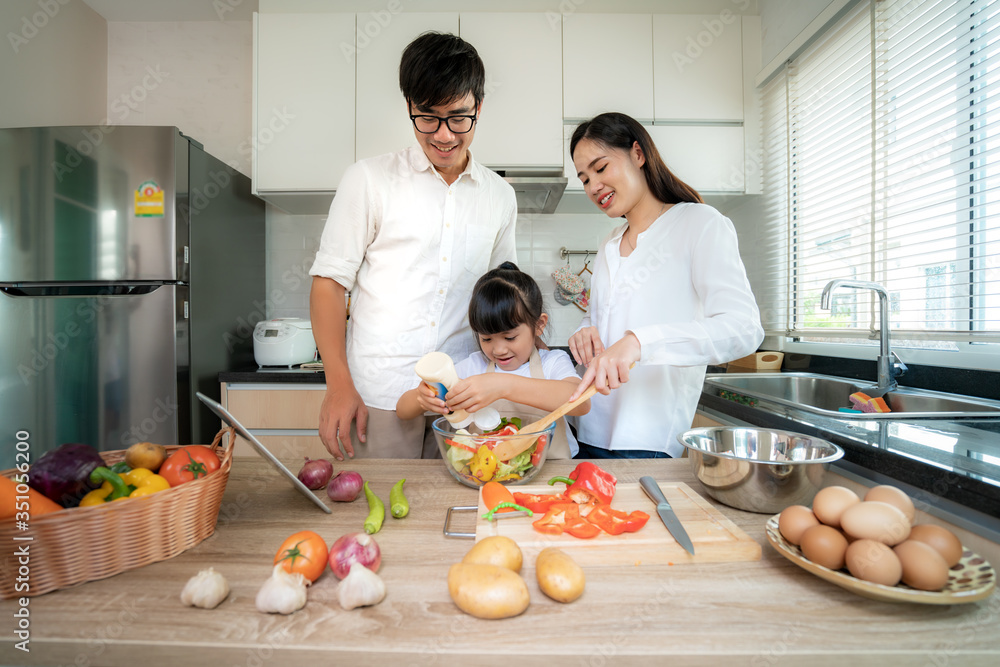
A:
[882,163]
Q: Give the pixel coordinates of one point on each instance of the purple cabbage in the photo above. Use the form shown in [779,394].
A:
[63,474]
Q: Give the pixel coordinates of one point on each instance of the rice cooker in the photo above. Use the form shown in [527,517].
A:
[283,341]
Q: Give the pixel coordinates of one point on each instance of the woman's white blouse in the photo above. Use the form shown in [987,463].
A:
[684,293]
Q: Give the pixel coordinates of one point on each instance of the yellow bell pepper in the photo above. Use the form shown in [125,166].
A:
[145,482]
[483,464]
[98,496]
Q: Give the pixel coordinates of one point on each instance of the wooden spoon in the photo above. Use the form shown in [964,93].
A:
[508,449]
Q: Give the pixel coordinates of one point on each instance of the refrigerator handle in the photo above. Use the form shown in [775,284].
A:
[79,290]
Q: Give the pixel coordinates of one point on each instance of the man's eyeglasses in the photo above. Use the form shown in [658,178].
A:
[430,124]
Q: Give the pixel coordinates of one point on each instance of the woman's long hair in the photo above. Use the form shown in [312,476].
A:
[616,130]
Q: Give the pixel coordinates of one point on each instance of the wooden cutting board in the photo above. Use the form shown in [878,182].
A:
[716,539]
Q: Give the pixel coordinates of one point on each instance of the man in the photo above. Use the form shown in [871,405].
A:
[409,233]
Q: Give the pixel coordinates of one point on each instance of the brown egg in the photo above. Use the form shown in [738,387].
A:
[794,520]
[873,561]
[831,502]
[824,546]
[942,539]
[873,520]
[893,496]
[923,567]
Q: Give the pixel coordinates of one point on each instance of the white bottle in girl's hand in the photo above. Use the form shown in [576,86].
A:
[438,370]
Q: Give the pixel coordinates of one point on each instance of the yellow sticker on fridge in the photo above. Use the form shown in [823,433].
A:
[149,200]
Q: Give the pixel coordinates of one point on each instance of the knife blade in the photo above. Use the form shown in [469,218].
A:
[666,513]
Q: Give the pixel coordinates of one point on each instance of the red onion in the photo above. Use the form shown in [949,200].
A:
[315,473]
[354,548]
[345,486]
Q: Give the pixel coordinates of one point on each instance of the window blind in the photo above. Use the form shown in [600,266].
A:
[882,163]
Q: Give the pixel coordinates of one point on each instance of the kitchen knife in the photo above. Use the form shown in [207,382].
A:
[667,515]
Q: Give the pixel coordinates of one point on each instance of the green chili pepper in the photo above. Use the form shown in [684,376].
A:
[489,515]
[376,512]
[398,504]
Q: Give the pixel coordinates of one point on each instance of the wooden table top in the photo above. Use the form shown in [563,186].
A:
[768,612]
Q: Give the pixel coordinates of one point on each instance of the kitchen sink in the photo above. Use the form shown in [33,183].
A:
[825,394]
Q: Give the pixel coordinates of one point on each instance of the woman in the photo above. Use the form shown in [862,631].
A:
[669,294]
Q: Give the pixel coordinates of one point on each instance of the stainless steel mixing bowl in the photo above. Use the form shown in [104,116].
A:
[758,470]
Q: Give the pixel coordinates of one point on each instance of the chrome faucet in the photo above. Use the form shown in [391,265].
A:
[888,370]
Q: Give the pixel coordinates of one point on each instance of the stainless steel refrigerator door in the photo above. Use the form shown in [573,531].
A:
[81,204]
[107,368]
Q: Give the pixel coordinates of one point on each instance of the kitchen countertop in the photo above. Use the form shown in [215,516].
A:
[768,612]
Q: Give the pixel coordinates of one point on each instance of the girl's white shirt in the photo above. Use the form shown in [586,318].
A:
[684,293]
[556,365]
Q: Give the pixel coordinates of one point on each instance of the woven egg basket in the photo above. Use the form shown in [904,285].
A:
[82,544]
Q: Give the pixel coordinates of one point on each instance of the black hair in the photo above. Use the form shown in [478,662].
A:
[504,299]
[440,68]
[616,130]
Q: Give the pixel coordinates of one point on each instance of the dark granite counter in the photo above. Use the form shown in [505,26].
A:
[951,459]
[275,375]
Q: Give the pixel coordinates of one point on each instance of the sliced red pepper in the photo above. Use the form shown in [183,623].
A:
[557,518]
[616,522]
[588,481]
[636,520]
[539,502]
[583,529]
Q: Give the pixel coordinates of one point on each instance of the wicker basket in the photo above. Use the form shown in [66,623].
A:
[82,544]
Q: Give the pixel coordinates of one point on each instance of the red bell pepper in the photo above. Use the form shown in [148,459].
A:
[583,529]
[557,518]
[539,502]
[536,455]
[588,481]
[616,522]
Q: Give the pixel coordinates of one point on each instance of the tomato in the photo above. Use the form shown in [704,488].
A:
[304,552]
[188,463]
[495,493]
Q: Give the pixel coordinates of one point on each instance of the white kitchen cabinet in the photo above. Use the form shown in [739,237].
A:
[383,123]
[709,158]
[303,106]
[698,67]
[607,65]
[521,124]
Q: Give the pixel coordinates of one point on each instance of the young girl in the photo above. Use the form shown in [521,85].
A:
[669,293]
[509,374]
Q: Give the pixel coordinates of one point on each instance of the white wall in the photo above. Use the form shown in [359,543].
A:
[195,75]
[53,64]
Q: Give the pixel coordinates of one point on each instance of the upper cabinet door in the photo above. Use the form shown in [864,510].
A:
[607,65]
[709,158]
[521,123]
[698,65]
[303,101]
[383,124]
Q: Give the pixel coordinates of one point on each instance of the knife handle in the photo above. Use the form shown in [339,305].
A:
[652,489]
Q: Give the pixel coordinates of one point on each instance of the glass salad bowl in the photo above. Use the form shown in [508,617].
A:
[470,460]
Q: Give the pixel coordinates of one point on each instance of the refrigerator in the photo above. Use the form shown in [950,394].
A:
[132,269]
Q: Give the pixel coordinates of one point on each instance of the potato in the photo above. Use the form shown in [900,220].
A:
[496,550]
[558,575]
[487,591]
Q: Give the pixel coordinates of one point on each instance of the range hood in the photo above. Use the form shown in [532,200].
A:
[536,193]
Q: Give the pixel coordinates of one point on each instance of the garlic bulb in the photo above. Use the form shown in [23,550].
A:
[206,590]
[360,588]
[283,593]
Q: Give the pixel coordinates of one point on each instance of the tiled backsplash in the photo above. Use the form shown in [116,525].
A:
[292,241]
